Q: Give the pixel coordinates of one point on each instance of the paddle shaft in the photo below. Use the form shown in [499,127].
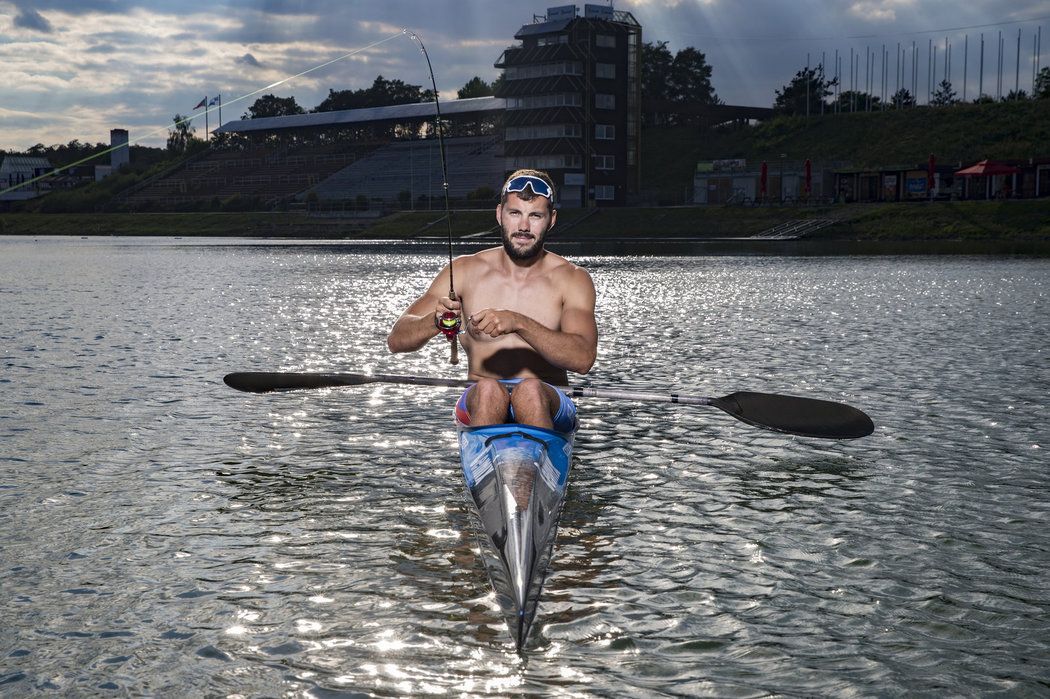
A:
[265,382]
[807,417]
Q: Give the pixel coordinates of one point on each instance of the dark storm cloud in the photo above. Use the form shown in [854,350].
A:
[248,60]
[78,7]
[28,18]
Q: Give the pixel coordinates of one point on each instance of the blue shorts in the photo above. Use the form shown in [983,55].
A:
[564,417]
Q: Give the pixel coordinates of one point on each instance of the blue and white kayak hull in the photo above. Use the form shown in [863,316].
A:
[516,476]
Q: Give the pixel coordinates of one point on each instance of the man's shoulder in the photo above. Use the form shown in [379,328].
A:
[563,268]
[488,256]
[477,260]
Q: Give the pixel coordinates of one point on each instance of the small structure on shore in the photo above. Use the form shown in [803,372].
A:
[17,175]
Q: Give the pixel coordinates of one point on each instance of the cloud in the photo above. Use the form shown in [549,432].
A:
[877,10]
[248,60]
[34,21]
[102,48]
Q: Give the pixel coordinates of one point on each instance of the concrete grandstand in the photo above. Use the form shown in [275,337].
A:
[381,156]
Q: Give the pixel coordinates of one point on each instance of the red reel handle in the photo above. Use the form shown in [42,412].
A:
[449,325]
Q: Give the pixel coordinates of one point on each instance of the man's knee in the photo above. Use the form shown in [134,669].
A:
[489,389]
[531,393]
[487,396]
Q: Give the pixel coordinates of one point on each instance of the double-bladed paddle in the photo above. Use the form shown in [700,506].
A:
[806,417]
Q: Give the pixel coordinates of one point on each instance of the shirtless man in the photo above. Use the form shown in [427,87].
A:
[529,316]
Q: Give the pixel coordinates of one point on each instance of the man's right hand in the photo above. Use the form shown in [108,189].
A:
[446,305]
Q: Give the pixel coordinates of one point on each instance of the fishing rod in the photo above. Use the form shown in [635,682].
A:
[450,322]
[207,110]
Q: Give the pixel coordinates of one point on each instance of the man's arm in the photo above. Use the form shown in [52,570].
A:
[418,324]
[573,347]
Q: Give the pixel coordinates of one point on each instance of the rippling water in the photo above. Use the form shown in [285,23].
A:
[162,534]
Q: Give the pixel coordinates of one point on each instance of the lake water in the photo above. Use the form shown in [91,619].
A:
[163,534]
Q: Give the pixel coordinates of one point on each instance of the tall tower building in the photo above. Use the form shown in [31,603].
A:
[119,155]
[573,92]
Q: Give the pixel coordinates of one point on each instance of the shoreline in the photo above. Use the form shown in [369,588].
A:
[1019,227]
[613,248]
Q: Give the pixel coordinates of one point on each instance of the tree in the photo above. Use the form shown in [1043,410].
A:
[691,78]
[656,71]
[1041,91]
[944,95]
[272,106]
[498,84]
[475,87]
[902,99]
[1016,95]
[181,134]
[856,101]
[382,93]
[337,101]
[61,155]
[805,93]
[679,79]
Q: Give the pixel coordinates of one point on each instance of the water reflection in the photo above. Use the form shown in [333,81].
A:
[162,531]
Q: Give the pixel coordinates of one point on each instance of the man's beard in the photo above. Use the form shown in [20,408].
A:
[522,253]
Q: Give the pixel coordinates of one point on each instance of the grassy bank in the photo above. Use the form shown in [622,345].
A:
[963,133]
[1024,220]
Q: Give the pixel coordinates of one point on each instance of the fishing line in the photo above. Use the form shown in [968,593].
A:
[208,110]
[450,322]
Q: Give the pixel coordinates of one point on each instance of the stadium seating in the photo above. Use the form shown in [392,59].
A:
[381,174]
[415,167]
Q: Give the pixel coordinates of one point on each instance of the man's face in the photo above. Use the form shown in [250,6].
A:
[525,225]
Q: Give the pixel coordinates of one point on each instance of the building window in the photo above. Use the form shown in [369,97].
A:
[556,99]
[604,132]
[605,41]
[604,192]
[529,133]
[605,71]
[605,162]
[602,101]
[545,162]
[543,70]
[553,40]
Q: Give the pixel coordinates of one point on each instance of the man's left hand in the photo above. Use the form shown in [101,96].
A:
[493,322]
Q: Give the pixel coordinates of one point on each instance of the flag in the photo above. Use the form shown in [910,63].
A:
[201,103]
[214,101]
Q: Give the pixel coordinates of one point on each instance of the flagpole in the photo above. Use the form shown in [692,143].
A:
[206,110]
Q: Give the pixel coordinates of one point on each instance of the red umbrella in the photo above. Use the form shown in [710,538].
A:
[762,178]
[930,169]
[809,176]
[987,168]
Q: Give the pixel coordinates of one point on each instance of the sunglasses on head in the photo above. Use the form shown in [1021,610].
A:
[519,183]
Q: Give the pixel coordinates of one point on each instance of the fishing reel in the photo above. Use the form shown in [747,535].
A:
[450,325]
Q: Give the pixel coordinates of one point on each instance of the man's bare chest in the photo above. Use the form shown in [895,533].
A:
[538,299]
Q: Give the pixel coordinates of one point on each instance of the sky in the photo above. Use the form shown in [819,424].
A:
[74,69]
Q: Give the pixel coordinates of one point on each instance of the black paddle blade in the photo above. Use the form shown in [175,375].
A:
[806,417]
[266,381]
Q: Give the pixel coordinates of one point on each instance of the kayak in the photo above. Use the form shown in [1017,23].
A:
[516,476]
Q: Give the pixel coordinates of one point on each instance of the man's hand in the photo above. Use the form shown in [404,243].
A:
[493,322]
[446,305]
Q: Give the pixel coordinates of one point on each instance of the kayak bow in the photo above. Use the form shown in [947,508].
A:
[516,476]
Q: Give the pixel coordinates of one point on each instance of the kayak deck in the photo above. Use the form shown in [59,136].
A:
[516,476]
